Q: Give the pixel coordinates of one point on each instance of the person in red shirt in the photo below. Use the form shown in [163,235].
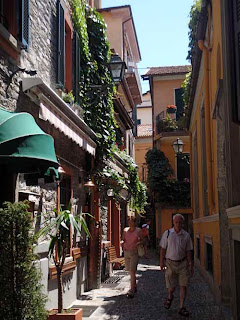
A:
[132,236]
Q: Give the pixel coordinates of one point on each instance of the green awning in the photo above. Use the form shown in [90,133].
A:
[23,145]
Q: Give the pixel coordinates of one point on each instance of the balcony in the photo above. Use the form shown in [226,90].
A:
[133,81]
[168,123]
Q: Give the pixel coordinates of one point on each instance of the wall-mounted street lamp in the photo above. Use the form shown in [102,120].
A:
[178,146]
[110,193]
[117,67]
[89,185]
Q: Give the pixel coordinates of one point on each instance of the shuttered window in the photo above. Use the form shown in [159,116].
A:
[24,21]
[236,19]
[76,67]
[61,47]
[179,102]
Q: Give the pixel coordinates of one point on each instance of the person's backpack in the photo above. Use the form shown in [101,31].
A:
[144,231]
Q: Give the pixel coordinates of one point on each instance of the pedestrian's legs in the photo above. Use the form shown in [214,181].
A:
[183,292]
[170,293]
[133,280]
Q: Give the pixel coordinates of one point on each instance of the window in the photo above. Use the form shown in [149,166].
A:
[198,247]
[14,17]
[139,121]
[237,274]
[236,26]
[179,102]
[208,254]
[76,67]
[68,66]
[65,192]
[183,167]
[209,261]
[195,174]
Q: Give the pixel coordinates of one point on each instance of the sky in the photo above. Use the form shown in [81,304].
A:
[162,31]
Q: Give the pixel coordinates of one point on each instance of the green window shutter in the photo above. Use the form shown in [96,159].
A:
[61,47]
[76,67]
[24,24]
[236,19]
[179,102]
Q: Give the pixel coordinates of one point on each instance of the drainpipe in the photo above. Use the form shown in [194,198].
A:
[205,51]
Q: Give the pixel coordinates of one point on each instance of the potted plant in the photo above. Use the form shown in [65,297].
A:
[171,109]
[60,230]
[69,98]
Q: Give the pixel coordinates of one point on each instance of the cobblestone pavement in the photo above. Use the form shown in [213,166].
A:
[148,301]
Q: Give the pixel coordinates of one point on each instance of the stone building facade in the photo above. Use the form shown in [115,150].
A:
[30,70]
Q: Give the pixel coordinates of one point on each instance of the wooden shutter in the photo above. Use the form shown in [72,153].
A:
[179,102]
[61,47]
[24,34]
[236,19]
[76,66]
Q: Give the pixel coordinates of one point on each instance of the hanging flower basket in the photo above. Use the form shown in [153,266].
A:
[171,109]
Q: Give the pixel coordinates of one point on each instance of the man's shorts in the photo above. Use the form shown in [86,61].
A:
[177,273]
[131,260]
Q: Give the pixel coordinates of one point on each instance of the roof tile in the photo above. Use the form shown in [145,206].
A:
[168,70]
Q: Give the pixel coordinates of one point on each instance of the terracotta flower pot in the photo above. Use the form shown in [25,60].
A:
[74,314]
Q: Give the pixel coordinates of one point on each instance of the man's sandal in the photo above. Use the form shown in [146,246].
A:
[168,303]
[184,312]
[130,294]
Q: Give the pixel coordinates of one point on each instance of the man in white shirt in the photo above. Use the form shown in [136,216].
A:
[176,246]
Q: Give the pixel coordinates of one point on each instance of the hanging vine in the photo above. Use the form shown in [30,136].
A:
[96,97]
[96,86]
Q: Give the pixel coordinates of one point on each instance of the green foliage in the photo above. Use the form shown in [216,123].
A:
[21,296]
[135,186]
[167,190]
[186,89]
[97,102]
[194,17]
[69,97]
[113,180]
[167,124]
[59,230]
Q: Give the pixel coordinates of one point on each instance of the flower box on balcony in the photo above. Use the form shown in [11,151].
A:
[171,109]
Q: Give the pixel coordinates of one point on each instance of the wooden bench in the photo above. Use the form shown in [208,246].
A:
[112,257]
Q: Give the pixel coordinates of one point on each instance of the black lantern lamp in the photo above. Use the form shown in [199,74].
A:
[178,146]
[117,67]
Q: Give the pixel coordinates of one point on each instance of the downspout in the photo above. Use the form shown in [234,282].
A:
[205,51]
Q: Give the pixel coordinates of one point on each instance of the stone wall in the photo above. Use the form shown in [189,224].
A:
[41,55]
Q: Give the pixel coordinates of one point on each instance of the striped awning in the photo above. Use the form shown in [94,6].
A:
[66,126]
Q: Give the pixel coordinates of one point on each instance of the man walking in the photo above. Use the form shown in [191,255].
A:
[176,246]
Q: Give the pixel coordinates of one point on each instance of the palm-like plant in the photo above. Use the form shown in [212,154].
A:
[61,229]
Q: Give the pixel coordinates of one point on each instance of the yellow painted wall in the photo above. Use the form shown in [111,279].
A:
[142,145]
[163,93]
[214,67]
[114,31]
[209,229]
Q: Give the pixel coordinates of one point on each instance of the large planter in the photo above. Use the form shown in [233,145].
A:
[74,314]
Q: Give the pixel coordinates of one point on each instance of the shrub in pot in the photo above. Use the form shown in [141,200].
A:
[21,294]
[60,229]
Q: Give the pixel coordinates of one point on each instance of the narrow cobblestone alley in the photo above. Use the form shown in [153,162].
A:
[110,301]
